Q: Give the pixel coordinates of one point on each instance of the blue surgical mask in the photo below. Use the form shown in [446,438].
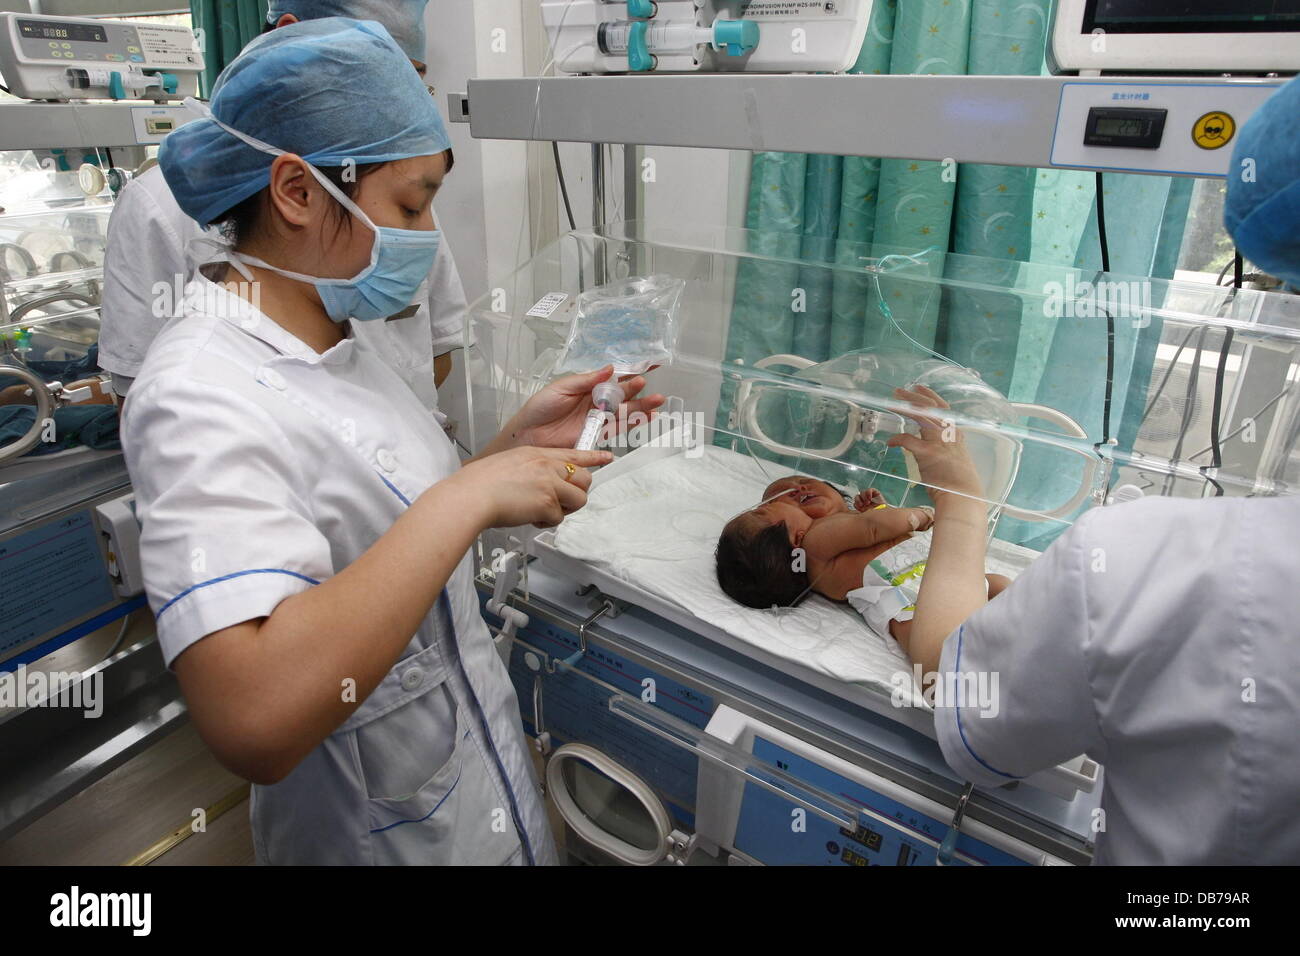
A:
[400,259]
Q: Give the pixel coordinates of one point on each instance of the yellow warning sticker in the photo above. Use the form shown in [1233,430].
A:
[1213,130]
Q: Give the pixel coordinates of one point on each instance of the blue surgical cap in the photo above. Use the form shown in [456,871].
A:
[1262,208]
[404,19]
[336,92]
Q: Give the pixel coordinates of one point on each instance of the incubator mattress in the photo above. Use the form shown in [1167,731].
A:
[656,526]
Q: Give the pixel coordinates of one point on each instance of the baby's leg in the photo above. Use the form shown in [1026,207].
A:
[997,584]
[901,631]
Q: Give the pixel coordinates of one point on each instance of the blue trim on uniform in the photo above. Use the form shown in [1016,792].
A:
[520,828]
[399,823]
[394,490]
[227,577]
[961,730]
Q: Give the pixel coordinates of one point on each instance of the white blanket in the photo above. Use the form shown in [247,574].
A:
[658,526]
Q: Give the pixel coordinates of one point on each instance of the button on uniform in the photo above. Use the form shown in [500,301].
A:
[412,678]
[387,460]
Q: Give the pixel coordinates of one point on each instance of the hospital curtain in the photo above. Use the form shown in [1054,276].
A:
[829,208]
[227,26]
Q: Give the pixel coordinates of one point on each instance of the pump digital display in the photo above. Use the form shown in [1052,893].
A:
[1192,16]
[1124,128]
[54,30]
[1129,128]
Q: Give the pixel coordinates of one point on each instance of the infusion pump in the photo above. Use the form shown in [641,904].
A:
[74,58]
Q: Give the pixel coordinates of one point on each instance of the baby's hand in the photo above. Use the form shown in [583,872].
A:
[866,500]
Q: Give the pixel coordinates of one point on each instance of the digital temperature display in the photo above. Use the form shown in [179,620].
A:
[52,30]
[1122,127]
[1129,128]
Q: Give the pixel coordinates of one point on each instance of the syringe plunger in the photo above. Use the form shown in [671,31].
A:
[606,397]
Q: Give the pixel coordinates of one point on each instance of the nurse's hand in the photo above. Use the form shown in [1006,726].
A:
[554,417]
[528,485]
[940,451]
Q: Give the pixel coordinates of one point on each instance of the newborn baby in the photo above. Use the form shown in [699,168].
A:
[804,537]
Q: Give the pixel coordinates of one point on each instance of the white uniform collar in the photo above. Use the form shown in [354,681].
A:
[210,298]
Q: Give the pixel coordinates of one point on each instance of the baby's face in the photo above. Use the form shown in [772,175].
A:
[809,496]
[780,510]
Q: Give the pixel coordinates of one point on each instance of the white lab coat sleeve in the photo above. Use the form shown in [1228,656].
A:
[227,529]
[145,269]
[1029,646]
[447,303]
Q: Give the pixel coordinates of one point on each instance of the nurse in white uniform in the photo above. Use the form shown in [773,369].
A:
[148,259]
[1158,637]
[305,522]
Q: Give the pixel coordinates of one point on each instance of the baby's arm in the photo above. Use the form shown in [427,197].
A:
[843,573]
[839,547]
[835,534]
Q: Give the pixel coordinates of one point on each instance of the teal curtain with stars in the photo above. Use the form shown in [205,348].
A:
[224,27]
[840,209]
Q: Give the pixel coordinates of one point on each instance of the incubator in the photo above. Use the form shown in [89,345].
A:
[61,469]
[1072,391]
[52,241]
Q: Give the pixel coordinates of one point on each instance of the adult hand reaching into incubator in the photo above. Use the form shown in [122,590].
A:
[954,586]
[940,450]
[554,417]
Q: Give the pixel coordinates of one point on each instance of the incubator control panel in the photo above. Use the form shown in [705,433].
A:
[757,818]
[1154,127]
[67,58]
[889,833]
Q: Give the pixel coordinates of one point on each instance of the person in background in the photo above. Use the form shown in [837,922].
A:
[1158,637]
[149,255]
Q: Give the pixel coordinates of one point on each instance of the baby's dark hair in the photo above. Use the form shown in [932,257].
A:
[755,567]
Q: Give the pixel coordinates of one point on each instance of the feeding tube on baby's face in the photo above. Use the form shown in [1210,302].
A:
[606,397]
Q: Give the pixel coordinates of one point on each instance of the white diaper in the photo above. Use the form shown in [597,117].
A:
[891,583]
[880,601]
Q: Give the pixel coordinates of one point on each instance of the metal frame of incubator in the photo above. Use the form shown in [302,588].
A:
[999,120]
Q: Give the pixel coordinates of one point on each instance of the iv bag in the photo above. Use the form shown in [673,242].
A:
[630,324]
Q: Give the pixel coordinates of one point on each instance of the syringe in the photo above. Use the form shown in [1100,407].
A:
[606,396]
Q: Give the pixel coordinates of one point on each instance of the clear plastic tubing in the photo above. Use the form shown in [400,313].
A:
[662,37]
[606,397]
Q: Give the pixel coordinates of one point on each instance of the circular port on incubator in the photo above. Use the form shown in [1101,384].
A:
[610,808]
